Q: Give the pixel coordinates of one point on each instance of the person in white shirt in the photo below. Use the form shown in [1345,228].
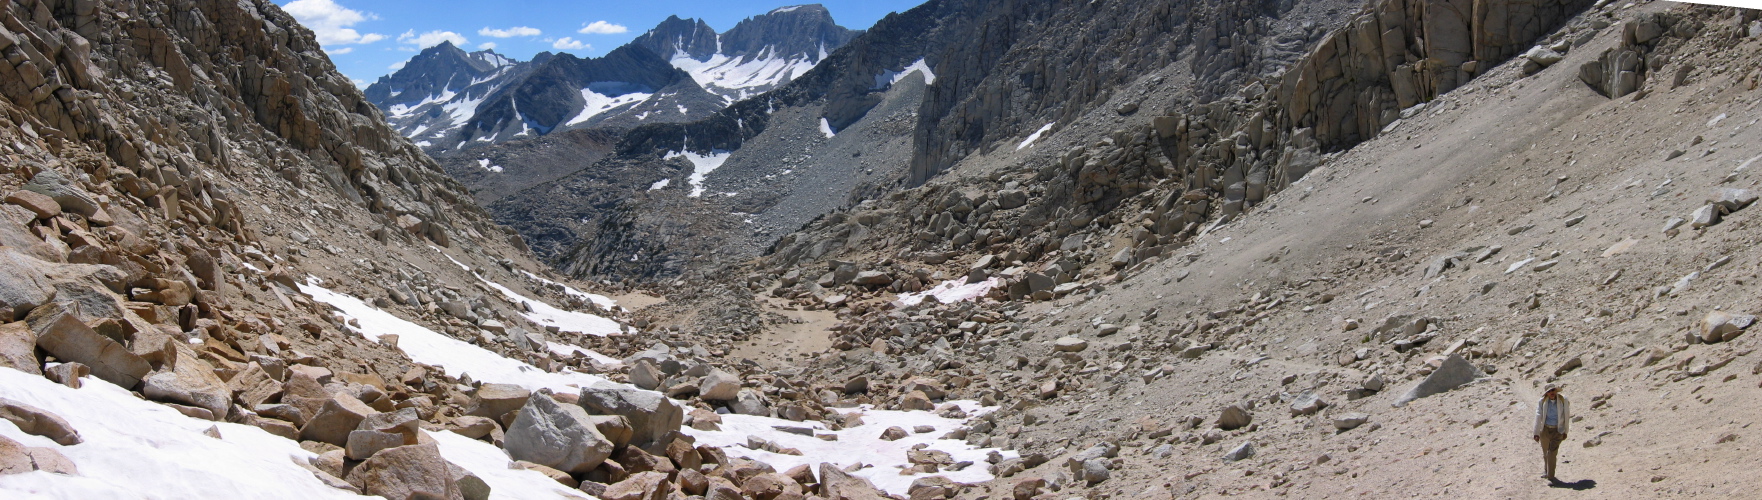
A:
[1553,416]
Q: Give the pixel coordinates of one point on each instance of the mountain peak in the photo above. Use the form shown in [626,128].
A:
[810,8]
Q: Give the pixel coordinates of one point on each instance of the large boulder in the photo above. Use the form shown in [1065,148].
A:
[22,287]
[644,375]
[63,335]
[651,415]
[57,187]
[1452,373]
[16,458]
[495,400]
[640,486]
[750,402]
[335,419]
[719,385]
[407,472]
[836,484]
[189,381]
[33,420]
[18,348]
[556,435]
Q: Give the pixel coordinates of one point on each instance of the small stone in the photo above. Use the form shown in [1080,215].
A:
[1704,217]
[1721,326]
[1234,417]
[1350,421]
[1070,344]
[1240,452]
[894,433]
[1307,404]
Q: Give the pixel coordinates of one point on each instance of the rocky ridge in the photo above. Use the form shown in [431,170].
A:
[212,242]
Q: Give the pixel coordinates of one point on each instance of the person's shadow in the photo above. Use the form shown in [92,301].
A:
[1579,485]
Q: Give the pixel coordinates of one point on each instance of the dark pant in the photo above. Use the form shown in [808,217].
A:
[1551,438]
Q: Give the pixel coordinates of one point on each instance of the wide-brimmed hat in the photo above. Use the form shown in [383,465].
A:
[1547,388]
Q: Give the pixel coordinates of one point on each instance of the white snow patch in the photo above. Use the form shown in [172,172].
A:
[139,449]
[660,184]
[568,350]
[492,465]
[781,10]
[951,291]
[598,103]
[826,128]
[704,165]
[889,77]
[601,300]
[484,164]
[1034,137]
[860,444]
[721,71]
[454,356]
[548,315]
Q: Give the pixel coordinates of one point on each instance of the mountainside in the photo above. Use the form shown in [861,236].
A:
[448,100]
[860,124]
[223,274]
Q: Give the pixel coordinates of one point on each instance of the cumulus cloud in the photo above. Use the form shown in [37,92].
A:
[602,28]
[397,65]
[567,43]
[331,22]
[431,38]
[338,52]
[510,32]
[486,46]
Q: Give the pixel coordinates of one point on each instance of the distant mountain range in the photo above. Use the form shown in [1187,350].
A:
[447,100]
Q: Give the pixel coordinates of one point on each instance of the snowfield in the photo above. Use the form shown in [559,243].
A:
[861,444]
[140,449]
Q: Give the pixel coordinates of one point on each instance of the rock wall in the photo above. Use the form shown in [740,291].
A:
[1389,58]
[1028,63]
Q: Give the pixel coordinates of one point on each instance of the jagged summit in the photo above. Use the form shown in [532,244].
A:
[757,54]
[448,100]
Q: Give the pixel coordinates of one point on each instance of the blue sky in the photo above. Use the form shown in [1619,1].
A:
[369,38]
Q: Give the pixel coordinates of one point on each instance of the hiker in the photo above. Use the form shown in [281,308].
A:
[1553,414]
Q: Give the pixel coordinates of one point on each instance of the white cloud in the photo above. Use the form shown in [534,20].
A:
[338,52]
[567,43]
[331,22]
[431,38]
[397,65]
[359,83]
[510,32]
[602,28]
[486,46]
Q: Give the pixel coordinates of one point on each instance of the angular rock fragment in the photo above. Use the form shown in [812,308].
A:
[556,435]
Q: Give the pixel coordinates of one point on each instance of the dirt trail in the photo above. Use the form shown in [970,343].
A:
[807,333]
